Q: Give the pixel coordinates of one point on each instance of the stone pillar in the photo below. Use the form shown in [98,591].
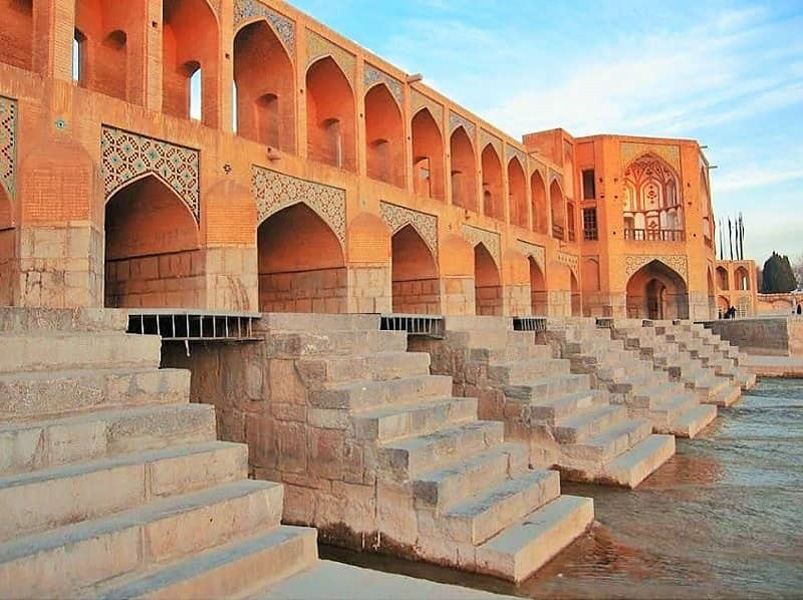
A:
[368,288]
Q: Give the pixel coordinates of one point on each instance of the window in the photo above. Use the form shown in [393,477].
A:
[78,56]
[590,224]
[589,188]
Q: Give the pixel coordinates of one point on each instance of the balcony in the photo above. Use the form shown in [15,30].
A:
[557,232]
[655,235]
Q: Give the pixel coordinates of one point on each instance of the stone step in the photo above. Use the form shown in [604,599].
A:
[633,466]
[25,319]
[317,371]
[590,422]
[241,566]
[558,407]
[44,444]
[406,459]
[725,396]
[606,445]
[404,420]
[497,507]
[652,396]
[91,552]
[68,494]
[304,322]
[744,379]
[510,353]
[551,387]
[295,344]
[527,370]
[47,394]
[445,487]
[366,395]
[525,546]
[58,351]
[692,421]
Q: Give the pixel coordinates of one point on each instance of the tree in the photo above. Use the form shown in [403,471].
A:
[778,276]
[797,269]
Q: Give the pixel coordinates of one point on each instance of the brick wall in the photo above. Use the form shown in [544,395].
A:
[315,290]
[418,296]
[171,279]
[489,300]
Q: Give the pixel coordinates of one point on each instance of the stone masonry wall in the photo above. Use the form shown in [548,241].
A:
[163,280]
[419,296]
[781,336]
[320,290]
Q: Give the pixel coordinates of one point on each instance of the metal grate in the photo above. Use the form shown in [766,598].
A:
[529,323]
[193,325]
[605,322]
[423,325]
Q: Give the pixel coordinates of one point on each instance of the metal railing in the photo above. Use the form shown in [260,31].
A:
[420,325]
[605,322]
[192,325]
[655,235]
[529,323]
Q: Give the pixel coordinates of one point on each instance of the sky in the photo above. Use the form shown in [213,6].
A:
[727,73]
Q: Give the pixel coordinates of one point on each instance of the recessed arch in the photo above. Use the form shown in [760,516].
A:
[653,208]
[384,136]
[557,210]
[415,274]
[538,289]
[538,203]
[330,115]
[8,250]
[577,299]
[16,33]
[723,281]
[264,79]
[427,160]
[189,44]
[656,291]
[517,184]
[300,263]
[152,248]
[463,172]
[493,205]
[487,282]
[741,279]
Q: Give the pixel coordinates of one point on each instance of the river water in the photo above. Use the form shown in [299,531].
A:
[721,519]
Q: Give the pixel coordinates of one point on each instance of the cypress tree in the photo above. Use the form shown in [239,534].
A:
[778,275]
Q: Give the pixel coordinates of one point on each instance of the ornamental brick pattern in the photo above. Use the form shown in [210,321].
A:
[8,143]
[372,76]
[538,253]
[318,46]
[488,138]
[489,239]
[456,121]
[676,262]
[419,101]
[426,225]
[632,150]
[246,10]
[126,156]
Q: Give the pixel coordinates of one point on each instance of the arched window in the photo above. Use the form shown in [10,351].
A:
[78,64]
[652,201]
[196,91]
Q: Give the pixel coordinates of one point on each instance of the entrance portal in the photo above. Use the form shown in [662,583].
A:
[656,291]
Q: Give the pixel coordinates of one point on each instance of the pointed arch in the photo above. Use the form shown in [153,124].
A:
[741,279]
[152,248]
[538,203]
[557,210]
[330,115]
[384,136]
[463,170]
[657,291]
[723,281]
[427,160]
[265,81]
[653,207]
[493,205]
[487,282]
[577,299]
[190,35]
[415,274]
[16,33]
[300,263]
[538,289]
[517,184]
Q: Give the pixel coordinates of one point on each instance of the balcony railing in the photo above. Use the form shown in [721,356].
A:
[557,232]
[655,235]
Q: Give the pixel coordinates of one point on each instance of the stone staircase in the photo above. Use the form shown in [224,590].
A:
[631,380]
[399,464]
[564,422]
[667,354]
[112,484]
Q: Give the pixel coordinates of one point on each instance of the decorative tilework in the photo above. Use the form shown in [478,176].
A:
[490,239]
[419,100]
[513,151]
[570,260]
[371,76]
[676,262]
[274,191]
[245,10]
[555,175]
[215,6]
[541,168]
[126,156]
[456,121]
[488,138]
[632,150]
[426,225]
[318,46]
[537,252]
[8,143]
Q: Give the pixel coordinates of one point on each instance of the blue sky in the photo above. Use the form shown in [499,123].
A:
[729,74]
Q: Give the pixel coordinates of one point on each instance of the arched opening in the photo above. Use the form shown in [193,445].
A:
[712,292]
[723,304]
[16,33]
[384,136]
[538,201]
[463,174]
[330,116]
[152,249]
[487,283]
[190,46]
[558,211]
[722,278]
[653,210]
[415,274]
[519,213]
[300,263]
[8,250]
[656,291]
[427,156]
[79,74]
[264,80]
[577,303]
[538,291]
[742,279]
[570,221]
[493,205]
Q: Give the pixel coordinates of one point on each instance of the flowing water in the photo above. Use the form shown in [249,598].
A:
[722,519]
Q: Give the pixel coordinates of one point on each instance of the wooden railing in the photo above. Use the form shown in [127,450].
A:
[655,235]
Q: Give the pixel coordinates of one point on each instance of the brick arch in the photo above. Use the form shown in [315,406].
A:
[517,185]
[384,136]
[331,129]
[493,203]
[539,302]
[557,209]
[487,282]
[464,169]
[427,159]
[416,287]
[657,291]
